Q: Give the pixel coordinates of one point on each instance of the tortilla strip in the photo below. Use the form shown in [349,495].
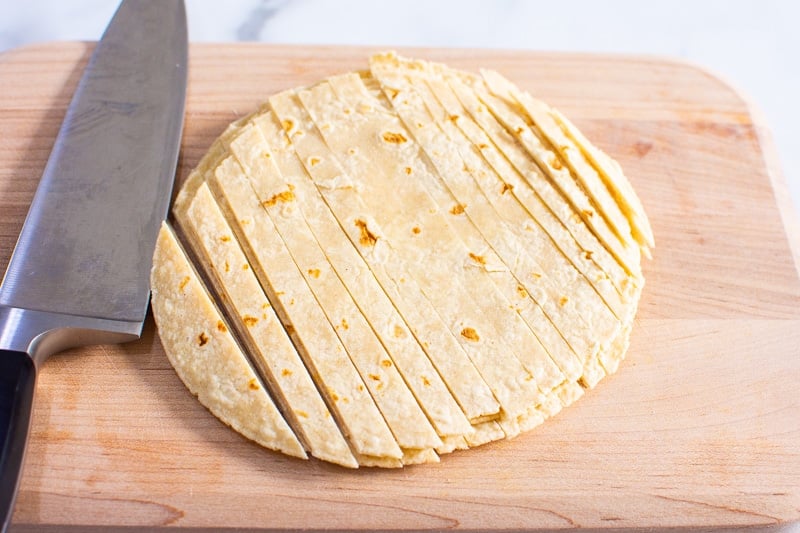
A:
[627,255]
[269,346]
[316,341]
[484,433]
[410,106]
[452,443]
[603,165]
[511,384]
[532,188]
[615,179]
[378,369]
[564,148]
[206,357]
[408,357]
[207,163]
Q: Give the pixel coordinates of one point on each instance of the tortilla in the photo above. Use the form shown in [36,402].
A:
[206,357]
[416,260]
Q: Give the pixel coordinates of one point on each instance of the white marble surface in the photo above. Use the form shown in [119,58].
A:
[753,44]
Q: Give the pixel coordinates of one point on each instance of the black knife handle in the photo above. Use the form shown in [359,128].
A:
[17,380]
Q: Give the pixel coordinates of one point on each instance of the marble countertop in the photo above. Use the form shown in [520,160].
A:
[752,44]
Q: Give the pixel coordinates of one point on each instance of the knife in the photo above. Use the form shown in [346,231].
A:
[79,273]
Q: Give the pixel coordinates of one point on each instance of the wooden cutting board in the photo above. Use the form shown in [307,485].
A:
[700,427]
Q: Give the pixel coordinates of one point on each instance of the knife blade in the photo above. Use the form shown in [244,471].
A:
[79,273]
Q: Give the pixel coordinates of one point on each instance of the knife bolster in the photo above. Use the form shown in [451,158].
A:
[42,333]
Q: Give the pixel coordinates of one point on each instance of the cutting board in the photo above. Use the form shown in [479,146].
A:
[699,428]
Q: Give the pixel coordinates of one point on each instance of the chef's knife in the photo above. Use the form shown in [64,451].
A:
[80,271]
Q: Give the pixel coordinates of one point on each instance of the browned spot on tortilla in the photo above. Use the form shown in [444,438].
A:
[285,196]
[367,237]
[394,138]
[477,258]
[457,209]
[470,334]
[202,339]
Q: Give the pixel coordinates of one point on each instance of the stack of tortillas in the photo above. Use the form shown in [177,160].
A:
[395,264]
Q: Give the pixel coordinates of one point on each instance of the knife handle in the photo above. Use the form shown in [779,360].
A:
[17,380]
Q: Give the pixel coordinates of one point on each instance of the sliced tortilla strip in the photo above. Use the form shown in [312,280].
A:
[408,356]
[327,360]
[447,156]
[512,385]
[378,369]
[485,433]
[617,182]
[565,149]
[418,457]
[207,163]
[524,176]
[206,357]
[607,169]
[627,255]
[268,344]
[452,443]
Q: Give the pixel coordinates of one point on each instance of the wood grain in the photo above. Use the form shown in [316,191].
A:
[699,428]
